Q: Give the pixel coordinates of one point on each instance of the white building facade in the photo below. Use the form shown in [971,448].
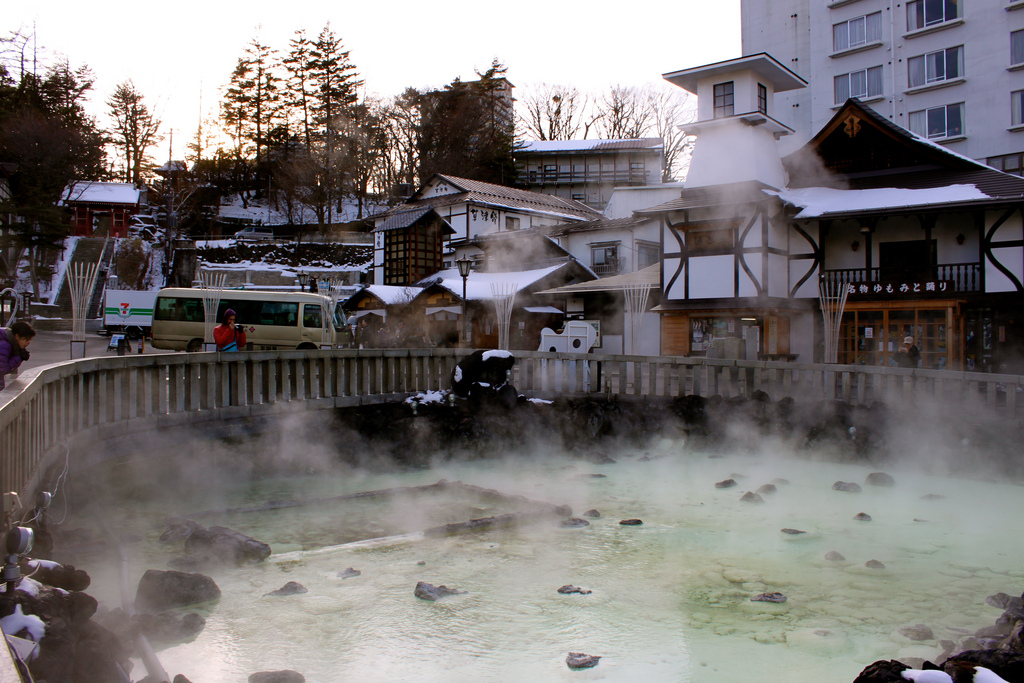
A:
[948,70]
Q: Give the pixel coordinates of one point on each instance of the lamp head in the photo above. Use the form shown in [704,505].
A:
[465,264]
[20,540]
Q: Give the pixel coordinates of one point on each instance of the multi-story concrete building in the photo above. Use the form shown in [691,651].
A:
[588,170]
[949,70]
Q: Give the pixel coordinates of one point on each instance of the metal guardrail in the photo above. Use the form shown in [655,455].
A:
[101,399]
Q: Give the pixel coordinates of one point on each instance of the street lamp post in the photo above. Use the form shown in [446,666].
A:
[303,278]
[465,264]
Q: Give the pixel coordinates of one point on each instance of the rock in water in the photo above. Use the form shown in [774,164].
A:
[834,556]
[290,588]
[285,676]
[846,486]
[631,522]
[874,564]
[880,479]
[568,589]
[579,660]
[769,597]
[751,497]
[793,532]
[349,573]
[593,514]
[862,517]
[426,591]
[767,488]
[159,590]
[917,632]
[725,484]
[573,523]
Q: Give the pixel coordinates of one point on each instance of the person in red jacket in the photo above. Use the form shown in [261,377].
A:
[229,336]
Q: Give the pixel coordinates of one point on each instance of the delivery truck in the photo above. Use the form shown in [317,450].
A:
[129,313]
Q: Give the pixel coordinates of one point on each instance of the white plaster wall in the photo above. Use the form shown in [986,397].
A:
[801,336]
[625,200]
[747,287]
[678,289]
[809,289]
[711,277]
[732,152]
[778,275]
[995,281]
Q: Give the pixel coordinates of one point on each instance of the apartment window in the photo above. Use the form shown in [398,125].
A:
[511,223]
[862,84]
[1008,163]
[723,99]
[1017,47]
[1017,107]
[856,32]
[938,122]
[762,98]
[579,197]
[647,254]
[605,259]
[922,13]
[936,67]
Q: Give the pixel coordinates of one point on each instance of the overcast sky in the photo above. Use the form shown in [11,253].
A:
[175,51]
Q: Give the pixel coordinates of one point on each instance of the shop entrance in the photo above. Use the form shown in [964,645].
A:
[871,335]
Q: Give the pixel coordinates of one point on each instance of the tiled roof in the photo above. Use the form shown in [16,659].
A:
[555,146]
[750,191]
[599,224]
[511,197]
[403,219]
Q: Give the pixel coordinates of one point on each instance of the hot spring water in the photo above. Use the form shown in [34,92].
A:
[671,598]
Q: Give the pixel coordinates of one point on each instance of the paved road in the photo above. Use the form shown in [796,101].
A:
[54,347]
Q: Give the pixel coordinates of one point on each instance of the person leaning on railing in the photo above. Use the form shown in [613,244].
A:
[14,343]
[229,336]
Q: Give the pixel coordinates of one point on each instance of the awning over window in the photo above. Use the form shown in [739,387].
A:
[542,309]
[376,311]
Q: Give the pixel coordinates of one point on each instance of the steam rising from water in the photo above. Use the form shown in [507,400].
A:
[671,598]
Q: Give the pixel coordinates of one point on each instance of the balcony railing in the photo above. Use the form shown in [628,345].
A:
[616,177]
[949,278]
[605,269]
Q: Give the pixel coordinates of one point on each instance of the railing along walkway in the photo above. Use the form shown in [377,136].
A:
[97,399]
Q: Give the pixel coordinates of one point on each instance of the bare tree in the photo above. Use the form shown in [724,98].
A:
[554,112]
[625,112]
[671,107]
[135,128]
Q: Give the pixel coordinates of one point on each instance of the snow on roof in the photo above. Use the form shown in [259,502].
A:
[478,284]
[592,145]
[393,294]
[101,193]
[821,201]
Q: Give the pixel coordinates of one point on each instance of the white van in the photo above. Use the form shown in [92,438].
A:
[272,320]
[255,232]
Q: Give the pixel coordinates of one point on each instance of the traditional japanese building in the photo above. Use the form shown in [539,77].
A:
[926,243]
[101,208]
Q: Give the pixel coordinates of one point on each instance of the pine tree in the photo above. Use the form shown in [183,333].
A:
[135,128]
[335,90]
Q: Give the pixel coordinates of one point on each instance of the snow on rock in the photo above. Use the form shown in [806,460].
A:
[458,373]
[45,564]
[428,397]
[821,201]
[19,621]
[497,353]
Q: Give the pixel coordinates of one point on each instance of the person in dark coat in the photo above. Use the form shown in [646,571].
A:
[14,343]
[909,355]
[229,336]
